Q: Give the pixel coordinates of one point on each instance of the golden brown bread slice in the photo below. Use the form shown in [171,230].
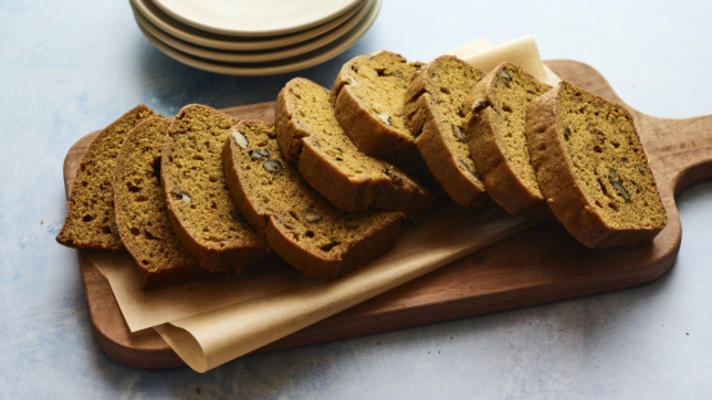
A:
[496,123]
[592,168]
[298,224]
[435,111]
[141,216]
[310,136]
[90,208]
[200,209]
[368,100]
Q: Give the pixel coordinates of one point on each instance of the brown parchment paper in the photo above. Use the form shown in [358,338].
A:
[207,340]
[212,322]
[145,309]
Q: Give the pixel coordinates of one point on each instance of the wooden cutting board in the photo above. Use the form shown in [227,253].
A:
[539,265]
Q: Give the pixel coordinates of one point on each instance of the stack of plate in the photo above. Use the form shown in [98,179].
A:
[247,37]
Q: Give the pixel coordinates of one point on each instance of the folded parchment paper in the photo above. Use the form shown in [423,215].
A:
[212,322]
[522,51]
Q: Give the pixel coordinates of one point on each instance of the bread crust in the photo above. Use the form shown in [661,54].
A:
[555,174]
[425,123]
[345,192]
[501,180]
[210,256]
[375,243]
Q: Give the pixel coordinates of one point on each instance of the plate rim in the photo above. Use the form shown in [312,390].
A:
[250,33]
[235,70]
[257,57]
[173,28]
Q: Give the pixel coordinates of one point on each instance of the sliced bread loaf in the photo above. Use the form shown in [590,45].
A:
[368,100]
[495,124]
[310,136]
[435,112]
[90,207]
[200,209]
[592,168]
[141,216]
[298,224]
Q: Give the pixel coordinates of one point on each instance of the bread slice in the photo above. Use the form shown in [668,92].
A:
[141,216]
[368,100]
[496,123]
[298,224]
[435,112]
[310,136]
[592,168]
[90,207]
[200,209]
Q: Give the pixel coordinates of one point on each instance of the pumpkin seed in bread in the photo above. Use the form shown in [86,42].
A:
[141,216]
[310,136]
[592,168]
[435,111]
[90,206]
[200,209]
[298,224]
[495,124]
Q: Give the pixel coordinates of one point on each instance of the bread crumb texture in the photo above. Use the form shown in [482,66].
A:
[608,160]
[273,188]
[90,221]
[379,81]
[194,183]
[308,105]
[448,82]
[435,109]
[346,176]
[141,214]
[513,90]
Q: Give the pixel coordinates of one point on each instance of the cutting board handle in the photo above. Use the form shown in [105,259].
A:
[680,148]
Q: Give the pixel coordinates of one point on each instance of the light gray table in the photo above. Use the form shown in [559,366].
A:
[69,67]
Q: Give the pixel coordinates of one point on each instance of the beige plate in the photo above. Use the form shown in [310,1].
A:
[293,64]
[255,57]
[189,34]
[254,18]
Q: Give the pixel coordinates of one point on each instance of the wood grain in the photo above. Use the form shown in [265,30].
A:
[539,265]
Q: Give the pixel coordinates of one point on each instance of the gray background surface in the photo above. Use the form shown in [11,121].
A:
[69,67]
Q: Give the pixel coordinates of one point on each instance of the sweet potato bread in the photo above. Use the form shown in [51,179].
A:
[435,111]
[200,209]
[90,208]
[592,168]
[141,216]
[298,224]
[368,100]
[310,136]
[496,123]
